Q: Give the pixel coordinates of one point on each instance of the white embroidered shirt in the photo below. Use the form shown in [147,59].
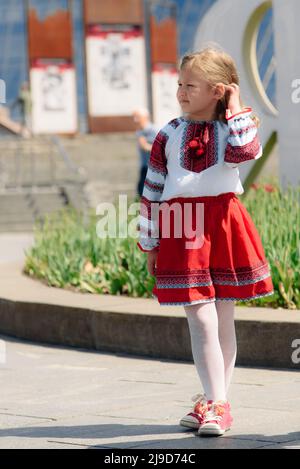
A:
[174,169]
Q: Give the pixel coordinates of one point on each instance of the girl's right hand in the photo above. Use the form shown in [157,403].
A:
[152,259]
[232,96]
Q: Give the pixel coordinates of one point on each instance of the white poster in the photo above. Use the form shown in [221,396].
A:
[116,71]
[164,89]
[53,91]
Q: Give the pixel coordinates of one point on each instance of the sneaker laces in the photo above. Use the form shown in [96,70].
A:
[201,399]
[215,412]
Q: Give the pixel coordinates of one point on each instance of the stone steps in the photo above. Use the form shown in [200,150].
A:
[37,177]
[18,212]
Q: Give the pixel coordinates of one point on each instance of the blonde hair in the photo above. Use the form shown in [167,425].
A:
[214,66]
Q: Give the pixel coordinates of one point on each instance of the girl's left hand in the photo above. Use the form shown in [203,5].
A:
[233,98]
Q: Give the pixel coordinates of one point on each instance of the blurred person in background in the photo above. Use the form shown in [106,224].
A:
[146,133]
[23,101]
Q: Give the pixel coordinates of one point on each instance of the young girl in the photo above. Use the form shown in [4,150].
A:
[195,161]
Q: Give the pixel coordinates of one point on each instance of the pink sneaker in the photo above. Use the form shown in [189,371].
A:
[195,418]
[217,419]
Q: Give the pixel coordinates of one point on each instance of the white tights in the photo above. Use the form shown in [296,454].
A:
[213,343]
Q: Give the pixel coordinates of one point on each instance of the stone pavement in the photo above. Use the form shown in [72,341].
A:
[13,247]
[58,397]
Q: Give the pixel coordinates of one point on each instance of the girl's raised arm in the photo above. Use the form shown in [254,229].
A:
[243,141]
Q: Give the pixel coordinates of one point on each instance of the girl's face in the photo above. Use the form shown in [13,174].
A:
[194,94]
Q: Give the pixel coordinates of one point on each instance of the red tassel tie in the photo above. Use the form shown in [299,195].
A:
[199,144]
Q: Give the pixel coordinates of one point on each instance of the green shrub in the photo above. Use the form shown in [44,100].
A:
[67,253]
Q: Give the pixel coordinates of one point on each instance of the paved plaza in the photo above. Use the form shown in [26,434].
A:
[55,397]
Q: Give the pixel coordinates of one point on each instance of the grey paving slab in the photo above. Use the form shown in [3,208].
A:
[63,397]
[20,443]
[13,246]
[123,433]
[288,445]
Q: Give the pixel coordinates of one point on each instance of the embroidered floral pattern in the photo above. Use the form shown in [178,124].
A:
[244,130]
[206,300]
[158,160]
[237,154]
[199,277]
[241,275]
[188,157]
[175,122]
[186,279]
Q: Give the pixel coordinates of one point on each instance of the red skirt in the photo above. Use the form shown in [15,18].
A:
[209,250]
